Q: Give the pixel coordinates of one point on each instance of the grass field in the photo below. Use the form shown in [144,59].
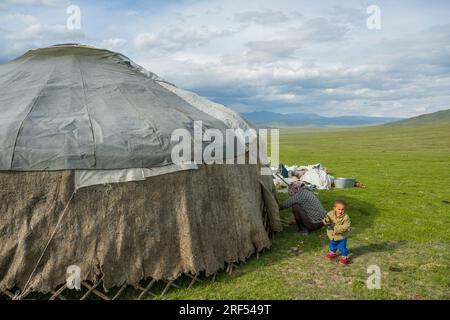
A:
[401,221]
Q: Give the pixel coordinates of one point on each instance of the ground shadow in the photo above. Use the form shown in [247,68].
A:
[361,212]
[360,250]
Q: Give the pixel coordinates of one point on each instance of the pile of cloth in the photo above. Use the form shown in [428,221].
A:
[313,176]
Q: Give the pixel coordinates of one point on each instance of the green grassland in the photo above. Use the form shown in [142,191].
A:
[401,221]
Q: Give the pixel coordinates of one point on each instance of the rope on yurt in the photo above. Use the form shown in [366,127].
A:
[61,216]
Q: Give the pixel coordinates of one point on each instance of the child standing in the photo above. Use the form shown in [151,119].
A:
[338,225]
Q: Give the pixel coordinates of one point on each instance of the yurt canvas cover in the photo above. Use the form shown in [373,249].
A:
[77,107]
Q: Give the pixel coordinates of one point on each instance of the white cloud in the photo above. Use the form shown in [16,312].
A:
[36,2]
[177,38]
[113,44]
[131,13]
[20,17]
[382,85]
[317,30]
[271,50]
[215,10]
[261,17]
[289,41]
[39,32]
[281,55]
[145,40]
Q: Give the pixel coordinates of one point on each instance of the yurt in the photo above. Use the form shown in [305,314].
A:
[87,178]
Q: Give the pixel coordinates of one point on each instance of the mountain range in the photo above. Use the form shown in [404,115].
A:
[438,117]
[272,119]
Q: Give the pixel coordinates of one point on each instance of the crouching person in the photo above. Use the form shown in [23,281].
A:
[306,208]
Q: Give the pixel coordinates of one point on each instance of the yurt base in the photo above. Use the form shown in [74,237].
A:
[146,289]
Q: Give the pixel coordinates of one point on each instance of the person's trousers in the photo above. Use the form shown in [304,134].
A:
[340,245]
[302,219]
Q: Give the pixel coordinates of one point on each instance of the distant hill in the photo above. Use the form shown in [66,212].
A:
[272,119]
[429,118]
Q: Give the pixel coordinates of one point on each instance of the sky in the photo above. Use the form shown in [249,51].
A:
[285,56]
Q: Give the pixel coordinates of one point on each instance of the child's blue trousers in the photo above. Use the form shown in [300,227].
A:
[340,245]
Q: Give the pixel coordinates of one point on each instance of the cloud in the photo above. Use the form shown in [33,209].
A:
[317,30]
[16,42]
[176,38]
[113,44]
[131,13]
[145,40]
[20,17]
[38,32]
[36,2]
[214,11]
[383,85]
[271,50]
[261,17]
[351,17]
[282,56]
[314,31]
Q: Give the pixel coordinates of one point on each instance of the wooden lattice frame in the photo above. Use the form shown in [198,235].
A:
[93,290]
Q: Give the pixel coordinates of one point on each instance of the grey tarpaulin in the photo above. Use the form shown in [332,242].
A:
[78,107]
[84,178]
